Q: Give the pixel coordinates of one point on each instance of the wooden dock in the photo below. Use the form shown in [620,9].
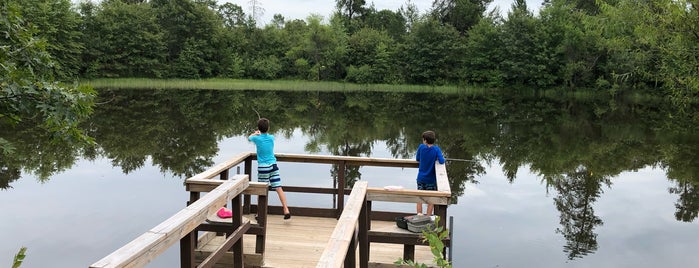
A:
[298,243]
[347,234]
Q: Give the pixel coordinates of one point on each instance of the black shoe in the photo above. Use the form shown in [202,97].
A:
[287,216]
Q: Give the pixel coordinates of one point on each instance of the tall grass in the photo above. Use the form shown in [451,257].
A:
[326,86]
[281,85]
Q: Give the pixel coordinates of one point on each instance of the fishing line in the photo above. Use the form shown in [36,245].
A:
[258,118]
[258,114]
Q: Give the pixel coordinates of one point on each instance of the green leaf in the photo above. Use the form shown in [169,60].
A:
[19,257]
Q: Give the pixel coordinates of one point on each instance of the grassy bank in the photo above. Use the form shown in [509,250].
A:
[287,85]
[299,85]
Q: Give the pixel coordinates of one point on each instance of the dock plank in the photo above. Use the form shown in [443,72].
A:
[301,241]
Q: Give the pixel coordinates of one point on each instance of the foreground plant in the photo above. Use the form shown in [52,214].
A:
[434,237]
[19,257]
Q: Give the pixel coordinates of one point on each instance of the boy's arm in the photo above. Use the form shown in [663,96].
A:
[440,156]
[417,155]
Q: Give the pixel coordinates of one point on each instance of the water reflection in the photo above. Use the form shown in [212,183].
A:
[35,151]
[576,147]
[577,192]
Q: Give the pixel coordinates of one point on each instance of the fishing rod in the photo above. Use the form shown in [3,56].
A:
[461,160]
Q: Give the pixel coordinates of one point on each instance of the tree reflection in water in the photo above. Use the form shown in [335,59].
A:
[577,193]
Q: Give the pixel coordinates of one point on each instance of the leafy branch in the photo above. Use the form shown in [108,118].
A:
[434,237]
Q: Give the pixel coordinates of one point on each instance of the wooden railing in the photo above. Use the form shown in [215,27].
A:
[146,247]
[184,225]
[353,229]
[341,247]
[205,182]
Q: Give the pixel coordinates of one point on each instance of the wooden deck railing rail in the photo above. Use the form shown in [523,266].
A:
[345,237]
[148,246]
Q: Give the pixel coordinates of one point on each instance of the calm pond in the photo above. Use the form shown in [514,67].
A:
[537,181]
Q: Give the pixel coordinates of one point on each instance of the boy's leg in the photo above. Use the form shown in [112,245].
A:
[282,199]
[422,186]
[426,187]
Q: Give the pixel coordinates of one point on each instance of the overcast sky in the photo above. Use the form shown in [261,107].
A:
[300,9]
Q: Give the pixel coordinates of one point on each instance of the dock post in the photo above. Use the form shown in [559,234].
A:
[187,245]
[237,248]
[262,202]
[340,189]
[351,256]
[364,221]
[248,171]
[441,211]
[189,242]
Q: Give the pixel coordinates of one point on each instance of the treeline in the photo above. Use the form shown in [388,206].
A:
[608,45]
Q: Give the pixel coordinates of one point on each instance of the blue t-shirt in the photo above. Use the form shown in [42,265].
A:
[265,148]
[427,155]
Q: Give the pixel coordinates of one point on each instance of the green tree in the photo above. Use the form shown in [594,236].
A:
[527,56]
[183,20]
[484,50]
[324,47]
[191,61]
[297,63]
[410,12]
[393,23]
[232,15]
[576,55]
[267,51]
[350,13]
[462,14]
[650,45]
[232,42]
[670,31]
[589,7]
[122,40]
[28,93]
[432,54]
[278,21]
[56,22]
[372,51]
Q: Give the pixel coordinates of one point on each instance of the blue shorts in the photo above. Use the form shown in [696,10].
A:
[269,174]
[426,186]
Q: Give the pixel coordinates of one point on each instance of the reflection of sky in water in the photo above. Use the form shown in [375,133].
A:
[497,224]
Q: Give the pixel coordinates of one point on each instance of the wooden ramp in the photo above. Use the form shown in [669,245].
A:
[300,242]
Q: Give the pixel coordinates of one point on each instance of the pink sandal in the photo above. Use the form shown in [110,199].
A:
[224,213]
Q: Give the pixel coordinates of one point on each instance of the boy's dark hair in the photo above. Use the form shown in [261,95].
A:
[429,136]
[263,125]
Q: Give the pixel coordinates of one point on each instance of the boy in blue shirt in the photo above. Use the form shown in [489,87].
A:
[427,154]
[267,170]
